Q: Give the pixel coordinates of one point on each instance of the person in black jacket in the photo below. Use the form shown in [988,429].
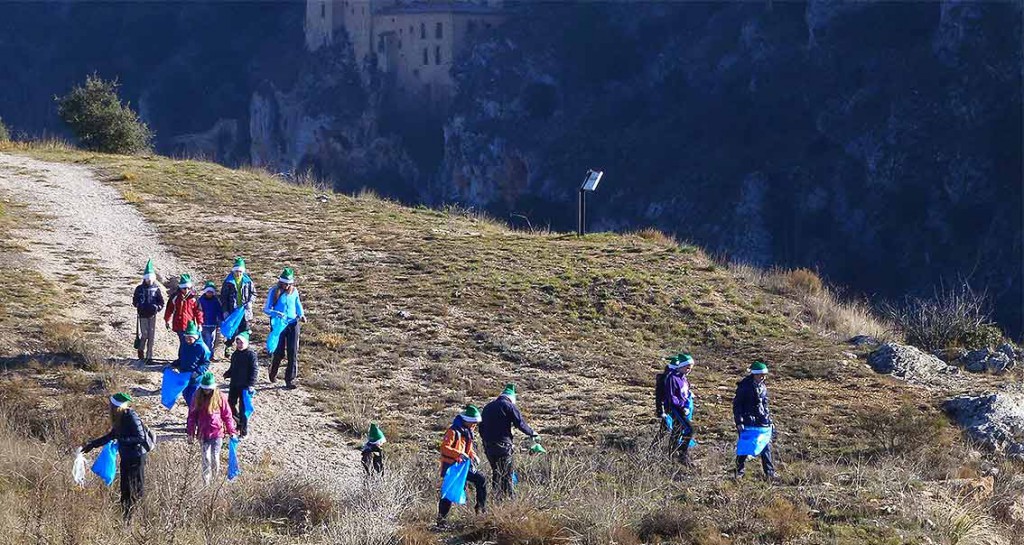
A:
[372,454]
[499,416]
[750,409]
[242,374]
[237,291]
[133,445]
[148,301]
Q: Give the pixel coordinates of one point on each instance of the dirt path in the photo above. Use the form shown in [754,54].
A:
[93,234]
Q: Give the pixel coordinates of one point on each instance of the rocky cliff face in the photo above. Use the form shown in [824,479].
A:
[880,143]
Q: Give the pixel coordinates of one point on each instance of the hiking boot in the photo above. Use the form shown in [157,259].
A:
[142,355]
[290,386]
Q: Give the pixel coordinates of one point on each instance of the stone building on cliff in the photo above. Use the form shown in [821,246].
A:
[411,43]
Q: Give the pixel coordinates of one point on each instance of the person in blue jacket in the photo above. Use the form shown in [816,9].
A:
[499,417]
[194,359]
[750,409]
[212,316]
[238,291]
[283,301]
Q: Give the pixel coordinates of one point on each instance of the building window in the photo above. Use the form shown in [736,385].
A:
[426,59]
[423,31]
[437,54]
[323,11]
[439,31]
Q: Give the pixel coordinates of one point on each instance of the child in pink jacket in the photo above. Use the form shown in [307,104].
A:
[210,419]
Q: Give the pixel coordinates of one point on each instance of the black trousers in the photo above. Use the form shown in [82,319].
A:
[478,481]
[502,468]
[289,344]
[242,326]
[766,462]
[238,409]
[133,477]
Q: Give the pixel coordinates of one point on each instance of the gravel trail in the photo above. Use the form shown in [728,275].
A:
[91,233]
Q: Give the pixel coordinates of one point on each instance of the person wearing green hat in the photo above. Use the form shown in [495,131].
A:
[674,403]
[210,420]
[372,453]
[750,409]
[182,308]
[237,291]
[148,301]
[457,446]
[283,301]
[134,442]
[499,417]
[243,374]
[194,359]
[213,314]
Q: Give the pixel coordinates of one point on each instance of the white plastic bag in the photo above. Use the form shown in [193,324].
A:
[78,469]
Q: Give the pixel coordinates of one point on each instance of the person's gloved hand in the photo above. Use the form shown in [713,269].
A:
[302,319]
[739,428]
[167,325]
[535,437]
[686,411]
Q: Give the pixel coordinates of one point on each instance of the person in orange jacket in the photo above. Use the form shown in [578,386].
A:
[457,446]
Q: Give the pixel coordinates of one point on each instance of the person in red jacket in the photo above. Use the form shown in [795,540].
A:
[182,308]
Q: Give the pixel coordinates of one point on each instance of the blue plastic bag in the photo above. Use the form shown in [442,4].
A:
[106,463]
[229,326]
[173,384]
[233,468]
[515,478]
[669,422]
[752,441]
[247,407]
[453,488]
[277,325]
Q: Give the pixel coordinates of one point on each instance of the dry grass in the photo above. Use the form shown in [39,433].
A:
[414,312]
[840,318]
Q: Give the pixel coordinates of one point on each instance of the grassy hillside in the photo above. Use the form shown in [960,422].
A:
[414,312]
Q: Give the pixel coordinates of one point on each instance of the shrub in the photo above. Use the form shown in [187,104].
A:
[658,237]
[303,504]
[903,431]
[804,281]
[953,318]
[95,114]
[5,135]
[785,520]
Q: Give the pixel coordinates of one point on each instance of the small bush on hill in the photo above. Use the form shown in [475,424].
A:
[905,430]
[5,135]
[95,114]
[953,318]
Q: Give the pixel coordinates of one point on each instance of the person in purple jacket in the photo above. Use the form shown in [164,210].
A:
[212,316]
[674,401]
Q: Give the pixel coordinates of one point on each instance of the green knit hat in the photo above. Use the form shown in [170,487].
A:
[684,360]
[375,435]
[287,276]
[192,330]
[758,368]
[209,286]
[149,273]
[471,414]
[509,391]
[239,265]
[185,281]
[208,382]
[120,399]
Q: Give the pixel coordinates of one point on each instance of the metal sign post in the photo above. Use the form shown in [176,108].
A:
[589,184]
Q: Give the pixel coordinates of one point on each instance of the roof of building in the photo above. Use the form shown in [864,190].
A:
[441,7]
